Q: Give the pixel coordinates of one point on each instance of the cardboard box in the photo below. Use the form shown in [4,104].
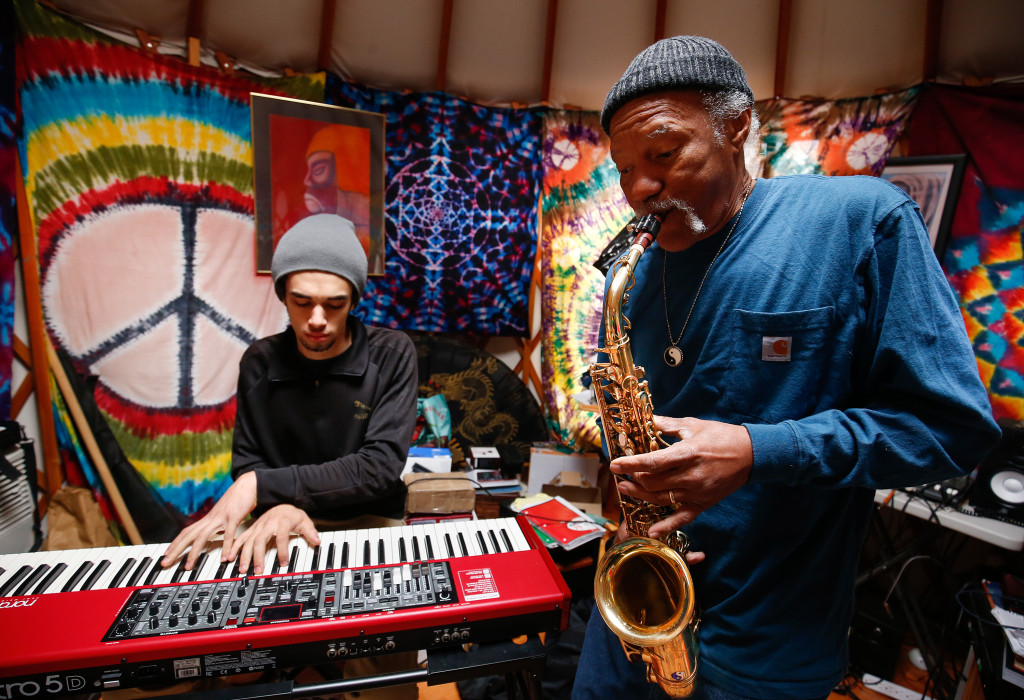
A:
[573,487]
[547,463]
[439,493]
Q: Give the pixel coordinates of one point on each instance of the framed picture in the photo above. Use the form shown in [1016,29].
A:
[934,183]
[311,158]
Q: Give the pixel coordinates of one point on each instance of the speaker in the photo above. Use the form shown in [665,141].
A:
[999,486]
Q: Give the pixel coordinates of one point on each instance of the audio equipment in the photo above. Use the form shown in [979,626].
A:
[472,581]
[998,489]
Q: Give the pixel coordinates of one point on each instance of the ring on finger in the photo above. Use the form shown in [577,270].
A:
[672,497]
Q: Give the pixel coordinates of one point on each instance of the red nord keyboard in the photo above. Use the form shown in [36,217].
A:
[360,593]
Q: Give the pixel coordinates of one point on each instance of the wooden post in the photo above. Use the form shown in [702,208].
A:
[782,46]
[932,35]
[659,20]
[193,28]
[442,49]
[549,51]
[82,423]
[323,56]
[37,335]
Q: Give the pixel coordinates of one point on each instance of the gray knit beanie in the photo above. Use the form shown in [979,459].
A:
[676,63]
[322,243]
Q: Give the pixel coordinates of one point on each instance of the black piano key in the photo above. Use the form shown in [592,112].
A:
[508,541]
[82,570]
[276,567]
[180,571]
[234,570]
[293,560]
[416,548]
[316,558]
[401,550]
[46,582]
[139,571]
[366,553]
[200,563]
[95,575]
[329,564]
[480,541]
[448,544]
[121,573]
[14,579]
[430,548]
[32,579]
[462,544]
[494,541]
[154,572]
[380,552]
[251,571]
[221,570]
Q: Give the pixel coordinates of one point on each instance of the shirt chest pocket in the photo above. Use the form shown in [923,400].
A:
[778,361]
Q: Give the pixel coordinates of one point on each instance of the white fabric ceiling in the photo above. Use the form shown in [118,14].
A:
[837,48]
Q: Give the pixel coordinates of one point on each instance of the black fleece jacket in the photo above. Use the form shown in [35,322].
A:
[329,436]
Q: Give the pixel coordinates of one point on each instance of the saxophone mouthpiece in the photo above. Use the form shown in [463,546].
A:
[646,229]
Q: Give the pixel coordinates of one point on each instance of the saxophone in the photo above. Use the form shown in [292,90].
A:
[643,587]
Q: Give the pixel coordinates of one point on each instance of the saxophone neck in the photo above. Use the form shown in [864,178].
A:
[646,230]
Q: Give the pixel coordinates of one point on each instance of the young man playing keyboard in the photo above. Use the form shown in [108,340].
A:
[325,415]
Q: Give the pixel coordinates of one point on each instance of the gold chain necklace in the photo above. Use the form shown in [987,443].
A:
[673,355]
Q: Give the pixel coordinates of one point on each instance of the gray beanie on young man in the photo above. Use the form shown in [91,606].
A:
[676,63]
[321,243]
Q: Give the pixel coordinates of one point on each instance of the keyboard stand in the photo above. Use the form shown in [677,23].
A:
[521,664]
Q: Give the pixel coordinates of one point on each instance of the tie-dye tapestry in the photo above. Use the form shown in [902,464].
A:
[983,260]
[583,209]
[462,186]
[832,137]
[8,210]
[139,181]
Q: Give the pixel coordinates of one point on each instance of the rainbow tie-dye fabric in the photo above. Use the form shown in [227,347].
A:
[984,259]
[139,181]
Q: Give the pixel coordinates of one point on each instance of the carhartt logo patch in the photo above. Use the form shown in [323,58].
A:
[776,349]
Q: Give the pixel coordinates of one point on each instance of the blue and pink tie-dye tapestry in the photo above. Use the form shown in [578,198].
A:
[462,189]
[139,180]
[984,261]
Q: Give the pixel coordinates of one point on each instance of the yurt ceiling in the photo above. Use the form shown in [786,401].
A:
[569,52]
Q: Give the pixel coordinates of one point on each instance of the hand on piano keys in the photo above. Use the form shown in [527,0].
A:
[277,525]
[36,573]
[226,515]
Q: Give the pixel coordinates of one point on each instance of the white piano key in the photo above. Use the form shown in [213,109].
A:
[208,570]
[73,558]
[302,554]
[515,533]
[373,538]
[327,539]
[33,578]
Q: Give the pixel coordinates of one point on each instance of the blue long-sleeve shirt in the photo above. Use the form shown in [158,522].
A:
[828,330]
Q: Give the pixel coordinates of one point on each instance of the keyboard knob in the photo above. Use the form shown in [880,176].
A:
[172,621]
[154,608]
[196,605]
[154,622]
[192,619]
[215,603]
[175,608]
[211,618]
